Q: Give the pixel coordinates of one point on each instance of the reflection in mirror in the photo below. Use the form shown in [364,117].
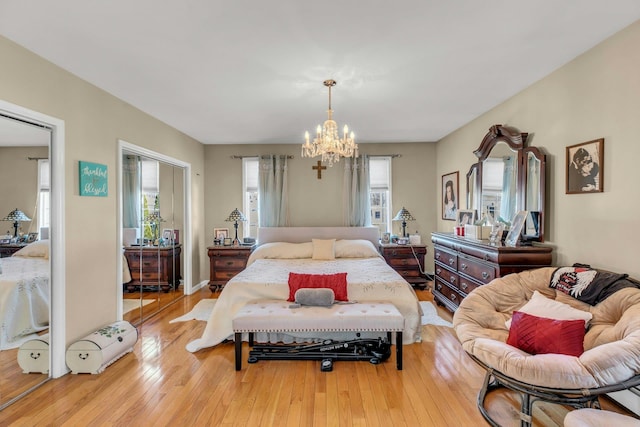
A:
[26,285]
[500,183]
[472,187]
[152,218]
[534,166]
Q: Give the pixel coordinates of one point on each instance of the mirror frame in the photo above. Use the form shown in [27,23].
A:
[516,140]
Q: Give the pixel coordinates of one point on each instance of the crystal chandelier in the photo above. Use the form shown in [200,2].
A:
[327,142]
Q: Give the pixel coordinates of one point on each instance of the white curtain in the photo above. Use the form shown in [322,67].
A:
[130,191]
[273,197]
[356,200]
[508,201]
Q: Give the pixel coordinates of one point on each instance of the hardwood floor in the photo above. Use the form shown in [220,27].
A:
[161,384]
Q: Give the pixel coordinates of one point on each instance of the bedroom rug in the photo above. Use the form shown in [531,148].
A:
[431,317]
[131,304]
[201,311]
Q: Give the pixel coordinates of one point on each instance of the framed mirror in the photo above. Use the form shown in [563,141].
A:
[508,178]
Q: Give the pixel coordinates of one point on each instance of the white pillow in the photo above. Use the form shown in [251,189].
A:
[281,250]
[324,249]
[541,306]
[355,249]
[37,249]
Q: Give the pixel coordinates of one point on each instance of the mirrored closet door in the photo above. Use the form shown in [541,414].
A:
[25,267]
[153,224]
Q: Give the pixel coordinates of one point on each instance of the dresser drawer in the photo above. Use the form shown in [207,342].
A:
[227,263]
[409,273]
[483,272]
[224,275]
[447,276]
[466,286]
[446,257]
[448,292]
[230,253]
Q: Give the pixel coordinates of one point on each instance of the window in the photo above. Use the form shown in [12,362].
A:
[250,208]
[380,191]
[44,201]
[150,191]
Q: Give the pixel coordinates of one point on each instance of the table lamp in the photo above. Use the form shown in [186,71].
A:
[154,219]
[234,217]
[404,216]
[16,216]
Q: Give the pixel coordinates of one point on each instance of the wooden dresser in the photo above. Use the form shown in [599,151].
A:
[461,265]
[407,260]
[225,262]
[153,266]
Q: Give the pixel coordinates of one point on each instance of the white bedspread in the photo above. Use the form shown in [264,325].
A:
[369,279]
[24,299]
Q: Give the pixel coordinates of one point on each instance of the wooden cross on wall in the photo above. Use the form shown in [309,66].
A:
[319,168]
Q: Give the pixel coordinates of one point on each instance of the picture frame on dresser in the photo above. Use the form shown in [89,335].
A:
[5,241]
[466,217]
[220,233]
[513,237]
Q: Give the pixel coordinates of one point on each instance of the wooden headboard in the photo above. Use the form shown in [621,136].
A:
[305,234]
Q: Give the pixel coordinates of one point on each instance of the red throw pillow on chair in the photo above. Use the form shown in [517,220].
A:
[540,335]
[337,282]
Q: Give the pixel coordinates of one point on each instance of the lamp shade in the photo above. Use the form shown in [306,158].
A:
[153,217]
[236,215]
[403,215]
[16,215]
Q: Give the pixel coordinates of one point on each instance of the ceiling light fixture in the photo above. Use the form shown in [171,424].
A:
[327,142]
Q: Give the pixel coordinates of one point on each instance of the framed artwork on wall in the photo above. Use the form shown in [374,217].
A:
[585,167]
[450,204]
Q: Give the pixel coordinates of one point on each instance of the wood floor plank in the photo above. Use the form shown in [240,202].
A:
[161,384]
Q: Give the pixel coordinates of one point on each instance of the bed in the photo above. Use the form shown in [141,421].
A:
[282,250]
[24,294]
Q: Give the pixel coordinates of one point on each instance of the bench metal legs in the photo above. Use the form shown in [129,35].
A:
[238,349]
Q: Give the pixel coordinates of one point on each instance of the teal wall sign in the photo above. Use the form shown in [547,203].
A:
[93,179]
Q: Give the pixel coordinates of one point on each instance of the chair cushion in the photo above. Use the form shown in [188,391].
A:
[589,417]
[541,306]
[611,344]
[539,335]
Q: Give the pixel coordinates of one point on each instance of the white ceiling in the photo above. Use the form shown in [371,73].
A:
[251,71]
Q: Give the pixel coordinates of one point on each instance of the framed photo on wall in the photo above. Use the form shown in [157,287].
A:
[585,166]
[450,203]
[466,216]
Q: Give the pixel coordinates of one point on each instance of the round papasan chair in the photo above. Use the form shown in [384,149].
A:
[610,361]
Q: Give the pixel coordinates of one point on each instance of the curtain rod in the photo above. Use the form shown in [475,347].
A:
[393,156]
[37,158]
[264,156]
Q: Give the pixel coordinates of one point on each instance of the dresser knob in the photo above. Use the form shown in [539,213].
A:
[452,279]
[437,255]
[463,286]
[438,271]
[453,297]
[485,274]
[451,261]
[464,266]
[394,253]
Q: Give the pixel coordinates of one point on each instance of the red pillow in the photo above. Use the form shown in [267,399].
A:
[337,282]
[539,335]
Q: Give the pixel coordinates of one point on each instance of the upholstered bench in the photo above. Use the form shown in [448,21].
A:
[277,316]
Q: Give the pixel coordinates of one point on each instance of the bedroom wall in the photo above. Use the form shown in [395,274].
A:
[19,185]
[597,95]
[94,121]
[318,202]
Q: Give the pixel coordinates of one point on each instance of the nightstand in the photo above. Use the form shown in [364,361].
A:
[9,249]
[407,260]
[225,262]
[153,266]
